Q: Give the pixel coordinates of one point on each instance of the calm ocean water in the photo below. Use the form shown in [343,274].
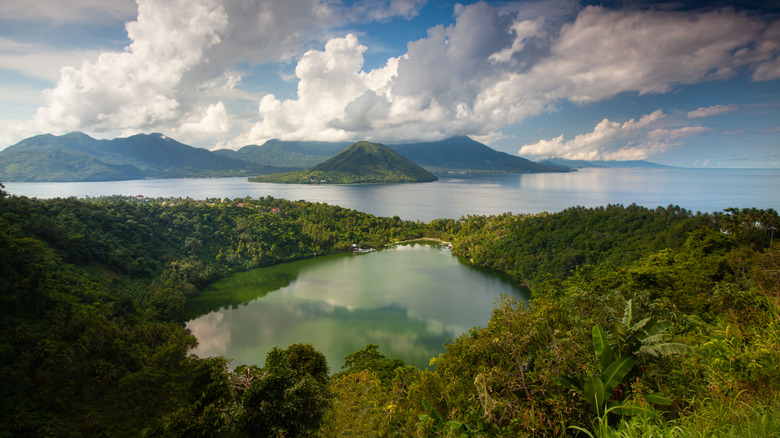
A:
[705,190]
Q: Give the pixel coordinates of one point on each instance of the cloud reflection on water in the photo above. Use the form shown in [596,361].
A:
[408,300]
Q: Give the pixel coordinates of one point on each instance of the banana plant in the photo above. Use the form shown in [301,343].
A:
[616,354]
[645,337]
[598,388]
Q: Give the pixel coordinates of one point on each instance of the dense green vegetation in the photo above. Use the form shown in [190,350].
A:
[665,324]
[92,339]
[360,163]
[642,323]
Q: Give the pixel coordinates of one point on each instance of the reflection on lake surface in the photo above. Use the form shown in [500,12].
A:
[705,190]
[408,299]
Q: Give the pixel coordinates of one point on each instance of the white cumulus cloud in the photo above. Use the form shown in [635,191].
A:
[604,53]
[610,140]
[491,69]
[328,81]
[140,88]
[184,62]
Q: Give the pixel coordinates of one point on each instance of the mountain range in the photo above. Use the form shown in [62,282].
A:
[360,163]
[458,154]
[79,157]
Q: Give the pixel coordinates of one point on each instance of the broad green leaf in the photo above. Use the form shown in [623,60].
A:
[665,349]
[601,346]
[658,399]
[660,337]
[632,407]
[618,337]
[615,372]
[628,313]
[642,325]
[594,392]
[658,327]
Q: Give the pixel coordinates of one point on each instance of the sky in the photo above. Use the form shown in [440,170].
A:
[682,83]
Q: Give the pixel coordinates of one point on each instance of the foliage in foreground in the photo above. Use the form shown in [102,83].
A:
[92,340]
[287,397]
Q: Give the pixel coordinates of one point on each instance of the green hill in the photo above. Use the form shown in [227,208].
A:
[361,163]
[79,157]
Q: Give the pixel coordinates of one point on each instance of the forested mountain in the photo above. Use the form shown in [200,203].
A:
[51,164]
[641,323]
[464,154]
[600,163]
[291,155]
[79,157]
[360,163]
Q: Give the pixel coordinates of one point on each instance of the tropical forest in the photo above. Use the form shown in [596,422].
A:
[641,323]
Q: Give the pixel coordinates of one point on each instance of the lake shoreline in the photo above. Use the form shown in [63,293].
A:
[421,239]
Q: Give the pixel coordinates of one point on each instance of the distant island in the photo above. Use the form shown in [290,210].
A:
[360,163]
[584,164]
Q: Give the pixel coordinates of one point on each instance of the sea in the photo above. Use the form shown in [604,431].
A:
[458,195]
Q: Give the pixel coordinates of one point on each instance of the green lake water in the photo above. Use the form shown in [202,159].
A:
[408,299]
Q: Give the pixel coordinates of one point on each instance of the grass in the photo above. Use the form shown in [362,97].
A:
[742,417]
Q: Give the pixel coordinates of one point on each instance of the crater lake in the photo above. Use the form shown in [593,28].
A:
[408,299]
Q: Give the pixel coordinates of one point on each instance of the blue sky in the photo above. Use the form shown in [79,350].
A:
[692,84]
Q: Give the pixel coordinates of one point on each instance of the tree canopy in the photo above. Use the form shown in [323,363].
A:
[92,340]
